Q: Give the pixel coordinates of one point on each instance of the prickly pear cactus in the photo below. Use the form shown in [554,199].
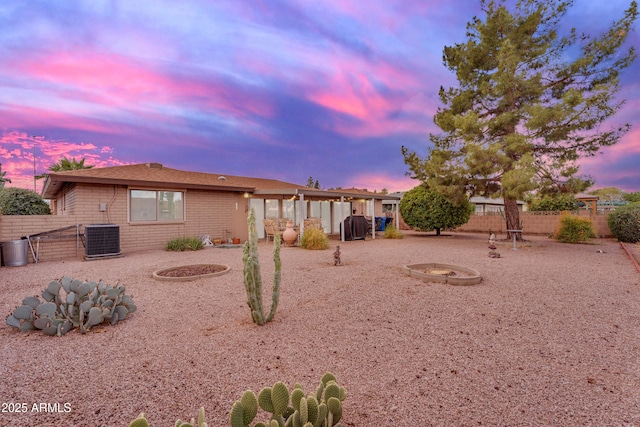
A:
[253,278]
[141,421]
[81,305]
[292,409]
[287,409]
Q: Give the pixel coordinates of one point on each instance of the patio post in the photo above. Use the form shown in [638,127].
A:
[301,218]
[373,218]
[341,222]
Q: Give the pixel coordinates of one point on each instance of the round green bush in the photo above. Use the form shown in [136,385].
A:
[20,201]
[426,210]
[624,223]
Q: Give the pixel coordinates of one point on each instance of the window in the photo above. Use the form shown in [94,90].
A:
[152,205]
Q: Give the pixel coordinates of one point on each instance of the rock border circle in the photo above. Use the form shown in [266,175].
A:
[157,274]
[418,271]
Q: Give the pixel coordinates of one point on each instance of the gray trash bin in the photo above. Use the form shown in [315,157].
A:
[15,252]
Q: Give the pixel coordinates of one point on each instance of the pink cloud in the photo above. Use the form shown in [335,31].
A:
[17,154]
[377,181]
[18,116]
[627,146]
[113,84]
[352,93]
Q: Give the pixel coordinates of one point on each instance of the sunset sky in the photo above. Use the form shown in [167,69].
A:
[283,89]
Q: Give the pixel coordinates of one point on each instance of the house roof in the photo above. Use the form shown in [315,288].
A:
[155,174]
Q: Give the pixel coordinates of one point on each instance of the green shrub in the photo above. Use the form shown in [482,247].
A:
[391,232]
[82,305]
[562,202]
[426,210]
[185,243]
[573,229]
[314,238]
[624,223]
[20,201]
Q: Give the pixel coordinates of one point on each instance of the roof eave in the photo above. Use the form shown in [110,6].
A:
[312,192]
[53,186]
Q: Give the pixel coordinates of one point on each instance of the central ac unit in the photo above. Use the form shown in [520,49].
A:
[102,240]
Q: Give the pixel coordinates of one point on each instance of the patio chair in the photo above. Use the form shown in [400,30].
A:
[312,223]
[271,228]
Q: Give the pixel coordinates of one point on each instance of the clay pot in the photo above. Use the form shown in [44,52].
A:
[290,235]
[236,241]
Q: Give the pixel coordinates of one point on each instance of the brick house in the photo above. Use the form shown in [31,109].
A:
[152,204]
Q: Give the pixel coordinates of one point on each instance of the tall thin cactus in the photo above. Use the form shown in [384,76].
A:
[253,278]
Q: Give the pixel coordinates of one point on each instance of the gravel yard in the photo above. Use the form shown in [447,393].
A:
[550,337]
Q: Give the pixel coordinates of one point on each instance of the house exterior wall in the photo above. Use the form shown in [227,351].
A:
[217,214]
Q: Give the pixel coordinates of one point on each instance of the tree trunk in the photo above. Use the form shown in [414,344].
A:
[437,231]
[512,217]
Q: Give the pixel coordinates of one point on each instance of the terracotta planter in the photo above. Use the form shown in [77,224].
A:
[236,241]
[290,235]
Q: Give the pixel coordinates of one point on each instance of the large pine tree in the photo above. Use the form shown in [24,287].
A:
[529,104]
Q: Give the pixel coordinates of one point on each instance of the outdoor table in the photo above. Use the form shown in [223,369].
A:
[514,238]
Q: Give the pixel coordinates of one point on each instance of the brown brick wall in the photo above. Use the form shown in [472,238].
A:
[217,214]
[209,213]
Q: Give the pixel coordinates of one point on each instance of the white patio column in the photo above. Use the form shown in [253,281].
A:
[301,218]
[373,218]
[398,215]
[341,223]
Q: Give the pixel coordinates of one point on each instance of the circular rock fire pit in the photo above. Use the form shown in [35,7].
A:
[443,273]
[185,273]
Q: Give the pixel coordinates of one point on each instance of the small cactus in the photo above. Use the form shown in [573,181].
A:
[253,278]
[200,421]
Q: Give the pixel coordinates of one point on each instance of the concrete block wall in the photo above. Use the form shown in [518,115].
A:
[534,223]
[14,227]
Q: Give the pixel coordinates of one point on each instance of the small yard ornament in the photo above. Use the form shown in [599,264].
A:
[493,253]
[336,256]
[492,246]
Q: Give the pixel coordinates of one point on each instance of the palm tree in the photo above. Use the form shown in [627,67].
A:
[65,164]
[2,177]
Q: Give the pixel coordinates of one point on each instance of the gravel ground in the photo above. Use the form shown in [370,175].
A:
[550,337]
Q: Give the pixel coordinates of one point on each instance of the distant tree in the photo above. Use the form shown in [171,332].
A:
[384,191]
[311,183]
[528,105]
[562,202]
[3,179]
[20,201]
[426,210]
[609,195]
[632,197]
